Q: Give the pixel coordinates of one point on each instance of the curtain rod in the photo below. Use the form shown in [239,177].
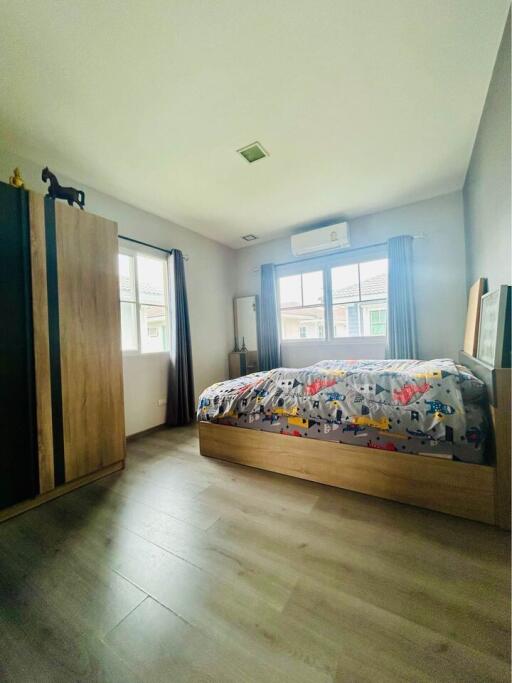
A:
[344,251]
[152,246]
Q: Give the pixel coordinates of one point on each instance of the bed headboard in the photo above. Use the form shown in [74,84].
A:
[497,381]
[481,370]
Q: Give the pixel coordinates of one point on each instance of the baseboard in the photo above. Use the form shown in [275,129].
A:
[145,432]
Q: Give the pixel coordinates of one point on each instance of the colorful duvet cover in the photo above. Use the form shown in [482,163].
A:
[427,407]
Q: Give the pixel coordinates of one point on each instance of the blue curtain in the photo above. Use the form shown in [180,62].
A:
[401,316]
[180,392]
[269,351]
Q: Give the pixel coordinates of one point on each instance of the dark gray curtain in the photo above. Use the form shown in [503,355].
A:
[180,391]
[269,353]
[401,314]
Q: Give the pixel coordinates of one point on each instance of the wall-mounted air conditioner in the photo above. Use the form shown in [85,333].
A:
[322,239]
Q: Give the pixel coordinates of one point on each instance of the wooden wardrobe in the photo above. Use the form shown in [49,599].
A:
[61,389]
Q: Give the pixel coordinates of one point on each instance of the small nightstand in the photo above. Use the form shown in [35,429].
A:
[242,363]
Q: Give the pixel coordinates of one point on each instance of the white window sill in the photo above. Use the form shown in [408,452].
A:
[338,341]
[138,354]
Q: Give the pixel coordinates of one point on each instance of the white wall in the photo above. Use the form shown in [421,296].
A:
[209,274]
[487,209]
[215,273]
[439,271]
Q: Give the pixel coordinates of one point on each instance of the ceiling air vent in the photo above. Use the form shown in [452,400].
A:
[249,238]
[253,152]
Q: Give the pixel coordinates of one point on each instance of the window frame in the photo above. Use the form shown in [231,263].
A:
[303,306]
[128,251]
[326,264]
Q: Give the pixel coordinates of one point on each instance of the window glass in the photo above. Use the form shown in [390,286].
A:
[290,291]
[151,280]
[345,283]
[126,277]
[303,323]
[374,279]
[378,322]
[347,320]
[128,326]
[359,302]
[312,288]
[375,318]
[153,329]
[144,310]
[352,287]
[340,320]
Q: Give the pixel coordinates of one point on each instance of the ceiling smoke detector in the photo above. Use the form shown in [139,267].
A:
[249,238]
[253,152]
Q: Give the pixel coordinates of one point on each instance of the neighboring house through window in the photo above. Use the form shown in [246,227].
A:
[144,302]
[377,320]
[334,301]
[302,306]
[359,291]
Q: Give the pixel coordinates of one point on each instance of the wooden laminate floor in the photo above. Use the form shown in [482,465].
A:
[182,568]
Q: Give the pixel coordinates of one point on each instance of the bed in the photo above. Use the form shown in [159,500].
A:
[418,432]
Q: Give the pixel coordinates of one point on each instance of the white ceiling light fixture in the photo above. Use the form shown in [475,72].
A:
[253,152]
[249,238]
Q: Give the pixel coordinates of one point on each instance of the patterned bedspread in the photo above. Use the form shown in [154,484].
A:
[407,398]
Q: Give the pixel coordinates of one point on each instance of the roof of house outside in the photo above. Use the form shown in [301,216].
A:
[375,287]
[150,295]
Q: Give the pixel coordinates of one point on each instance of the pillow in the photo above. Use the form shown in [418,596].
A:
[472,388]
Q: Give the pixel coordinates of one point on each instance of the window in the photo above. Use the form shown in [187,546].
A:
[302,306]
[352,287]
[378,322]
[144,309]
[353,305]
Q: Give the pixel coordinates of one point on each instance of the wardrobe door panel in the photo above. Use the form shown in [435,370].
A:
[90,341]
[41,343]
[18,449]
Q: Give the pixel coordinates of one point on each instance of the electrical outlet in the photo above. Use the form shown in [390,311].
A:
[162,402]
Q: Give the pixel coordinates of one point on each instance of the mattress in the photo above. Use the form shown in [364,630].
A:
[434,408]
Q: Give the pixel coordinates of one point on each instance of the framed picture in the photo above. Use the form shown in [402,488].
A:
[473,316]
[494,333]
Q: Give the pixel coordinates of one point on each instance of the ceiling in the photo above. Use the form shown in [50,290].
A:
[362,104]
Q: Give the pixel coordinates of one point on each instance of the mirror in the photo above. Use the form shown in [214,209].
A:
[246,321]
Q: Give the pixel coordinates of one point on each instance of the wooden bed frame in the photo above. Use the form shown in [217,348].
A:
[478,492]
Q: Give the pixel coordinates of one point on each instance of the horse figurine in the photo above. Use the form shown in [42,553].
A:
[55,191]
